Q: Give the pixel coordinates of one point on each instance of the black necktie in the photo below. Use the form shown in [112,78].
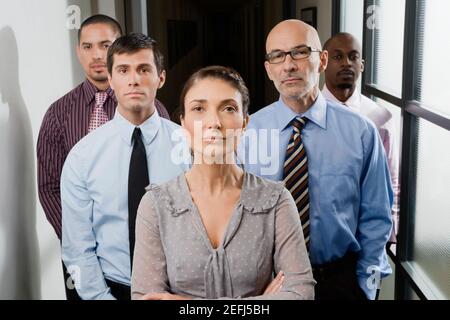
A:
[137,181]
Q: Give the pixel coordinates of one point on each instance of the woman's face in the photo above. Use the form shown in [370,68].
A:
[214,120]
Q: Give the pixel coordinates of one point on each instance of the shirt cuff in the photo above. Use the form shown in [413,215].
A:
[109,296]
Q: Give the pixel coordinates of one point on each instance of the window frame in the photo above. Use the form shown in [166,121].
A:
[406,277]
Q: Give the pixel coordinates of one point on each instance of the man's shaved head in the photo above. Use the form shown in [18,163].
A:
[293,28]
[342,37]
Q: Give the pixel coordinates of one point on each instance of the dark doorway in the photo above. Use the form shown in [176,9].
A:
[196,33]
[234,37]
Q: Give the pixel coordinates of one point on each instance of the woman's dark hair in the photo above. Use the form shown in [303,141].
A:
[226,74]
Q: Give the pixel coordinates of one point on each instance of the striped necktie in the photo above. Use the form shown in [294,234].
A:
[295,174]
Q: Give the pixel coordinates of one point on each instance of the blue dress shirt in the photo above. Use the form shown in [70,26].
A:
[94,197]
[349,182]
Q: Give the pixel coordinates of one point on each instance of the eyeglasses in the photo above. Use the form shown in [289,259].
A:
[298,53]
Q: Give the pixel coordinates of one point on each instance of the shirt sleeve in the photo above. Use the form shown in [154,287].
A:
[290,254]
[375,220]
[391,147]
[78,238]
[149,262]
[50,159]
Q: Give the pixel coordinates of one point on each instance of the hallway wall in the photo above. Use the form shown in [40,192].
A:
[37,66]
[324,18]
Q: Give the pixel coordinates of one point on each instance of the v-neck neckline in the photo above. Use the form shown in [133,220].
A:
[236,215]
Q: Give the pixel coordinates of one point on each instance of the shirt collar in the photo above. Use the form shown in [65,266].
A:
[89,90]
[354,102]
[317,113]
[149,127]
[258,195]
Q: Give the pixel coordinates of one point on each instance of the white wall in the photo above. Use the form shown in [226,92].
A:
[324,20]
[112,8]
[352,21]
[352,18]
[37,66]
[324,8]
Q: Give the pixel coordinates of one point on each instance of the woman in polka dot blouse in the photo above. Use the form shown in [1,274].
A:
[218,231]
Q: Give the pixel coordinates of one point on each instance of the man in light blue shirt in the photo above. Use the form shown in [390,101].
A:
[96,175]
[350,195]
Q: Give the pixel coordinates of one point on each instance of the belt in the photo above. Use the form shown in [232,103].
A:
[118,290]
[345,264]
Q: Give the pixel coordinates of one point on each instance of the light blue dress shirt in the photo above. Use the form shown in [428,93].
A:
[349,182]
[94,197]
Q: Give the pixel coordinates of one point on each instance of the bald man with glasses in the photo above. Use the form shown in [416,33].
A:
[331,160]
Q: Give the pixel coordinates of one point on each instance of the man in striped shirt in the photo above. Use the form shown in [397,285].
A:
[73,116]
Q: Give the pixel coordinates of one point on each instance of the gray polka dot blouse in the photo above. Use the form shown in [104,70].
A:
[174,254]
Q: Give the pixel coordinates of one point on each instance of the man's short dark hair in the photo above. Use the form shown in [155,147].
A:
[100,19]
[132,43]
